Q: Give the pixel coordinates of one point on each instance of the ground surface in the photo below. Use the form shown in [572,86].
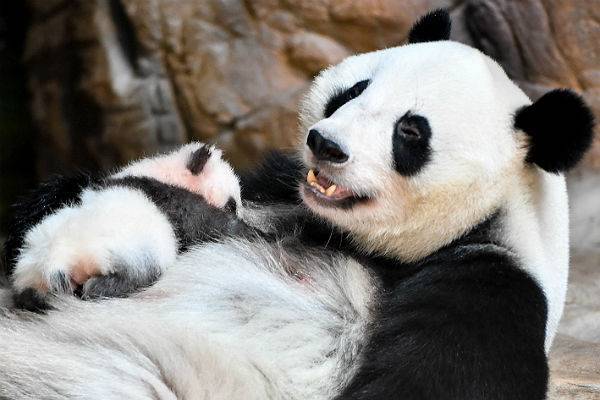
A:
[575,356]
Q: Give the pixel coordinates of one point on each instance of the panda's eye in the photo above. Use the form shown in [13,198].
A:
[410,132]
[343,97]
[411,127]
[410,142]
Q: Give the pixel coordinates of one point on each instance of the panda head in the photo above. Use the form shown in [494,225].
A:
[407,148]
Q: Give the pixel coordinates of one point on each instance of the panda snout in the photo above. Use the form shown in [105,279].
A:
[325,149]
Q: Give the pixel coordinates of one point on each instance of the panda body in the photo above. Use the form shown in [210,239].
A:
[299,317]
[427,258]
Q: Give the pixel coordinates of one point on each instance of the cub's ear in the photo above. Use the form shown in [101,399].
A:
[431,27]
[560,127]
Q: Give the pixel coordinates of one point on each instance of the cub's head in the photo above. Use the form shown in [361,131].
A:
[409,147]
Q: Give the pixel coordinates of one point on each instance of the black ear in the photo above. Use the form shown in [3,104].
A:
[431,27]
[561,128]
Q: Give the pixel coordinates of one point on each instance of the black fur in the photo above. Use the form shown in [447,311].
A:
[52,195]
[561,128]
[194,220]
[30,300]
[465,323]
[344,96]
[198,160]
[275,180]
[410,143]
[230,206]
[120,283]
[431,27]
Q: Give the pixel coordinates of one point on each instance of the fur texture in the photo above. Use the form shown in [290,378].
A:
[561,128]
[194,167]
[344,96]
[411,144]
[438,312]
[432,27]
[202,330]
[57,192]
[397,220]
[94,239]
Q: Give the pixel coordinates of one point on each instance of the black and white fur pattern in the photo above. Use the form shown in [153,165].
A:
[443,278]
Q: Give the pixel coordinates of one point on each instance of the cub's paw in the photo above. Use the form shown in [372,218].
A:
[196,167]
[114,242]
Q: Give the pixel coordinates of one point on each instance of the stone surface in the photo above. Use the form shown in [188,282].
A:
[543,44]
[114,79]
[575,355]
[574,370]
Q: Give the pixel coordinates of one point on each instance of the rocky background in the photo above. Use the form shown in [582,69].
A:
[92,84]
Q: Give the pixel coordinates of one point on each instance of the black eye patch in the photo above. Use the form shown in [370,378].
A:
[343,97]
[410,143]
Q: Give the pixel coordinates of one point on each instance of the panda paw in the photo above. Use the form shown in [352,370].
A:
[196,167]
[112,243]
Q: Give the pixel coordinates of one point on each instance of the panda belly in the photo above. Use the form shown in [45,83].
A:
[232,320]
[299,320]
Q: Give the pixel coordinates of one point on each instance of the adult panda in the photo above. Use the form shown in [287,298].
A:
[426,259]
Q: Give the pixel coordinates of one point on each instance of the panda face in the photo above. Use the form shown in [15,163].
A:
[413,140]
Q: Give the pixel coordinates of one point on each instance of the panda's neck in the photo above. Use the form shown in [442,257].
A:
[428,225]
[536,228]
[412,246]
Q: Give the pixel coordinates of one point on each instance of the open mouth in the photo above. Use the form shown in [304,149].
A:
[326,192]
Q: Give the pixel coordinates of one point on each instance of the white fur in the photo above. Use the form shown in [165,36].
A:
[536,227]
[114,227]
[477,164]
[227,321]
[469,103]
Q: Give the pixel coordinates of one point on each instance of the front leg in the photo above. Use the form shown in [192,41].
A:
[467,324]
[121,232]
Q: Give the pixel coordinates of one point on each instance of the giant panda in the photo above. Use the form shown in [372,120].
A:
[415,247]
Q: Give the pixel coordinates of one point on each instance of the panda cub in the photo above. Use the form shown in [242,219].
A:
[416,248]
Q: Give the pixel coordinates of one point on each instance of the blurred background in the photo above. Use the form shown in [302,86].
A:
[88,84]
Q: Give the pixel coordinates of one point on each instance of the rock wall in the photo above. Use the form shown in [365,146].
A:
[114,79]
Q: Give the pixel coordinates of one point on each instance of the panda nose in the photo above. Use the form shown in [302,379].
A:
[325,149]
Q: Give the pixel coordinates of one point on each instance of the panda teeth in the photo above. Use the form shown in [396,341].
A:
[318,187]
[312,180]
[331,190]
[311,177]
